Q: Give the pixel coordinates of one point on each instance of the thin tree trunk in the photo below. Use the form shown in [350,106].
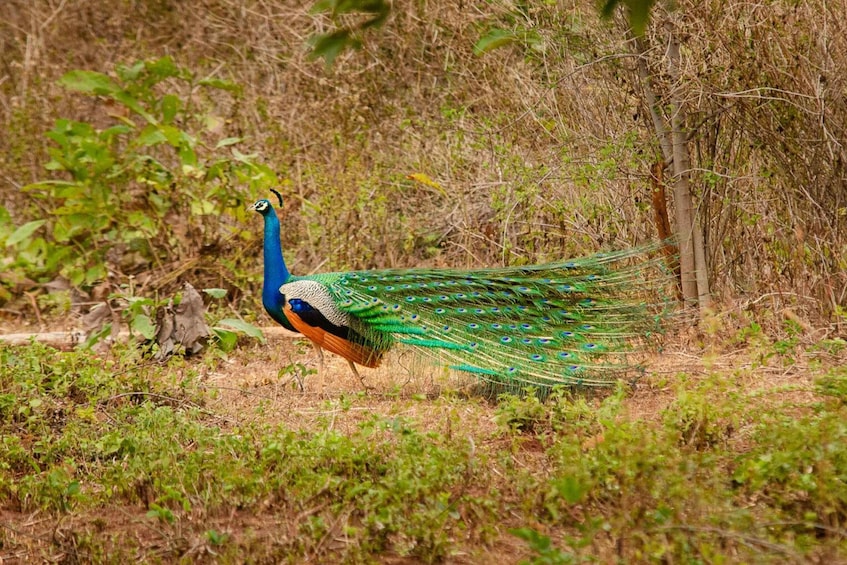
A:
[695,281]
[652,101]
[673,144]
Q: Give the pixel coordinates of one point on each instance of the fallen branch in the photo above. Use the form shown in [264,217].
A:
[70,339]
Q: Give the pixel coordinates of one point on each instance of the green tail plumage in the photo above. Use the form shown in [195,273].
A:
[572,323]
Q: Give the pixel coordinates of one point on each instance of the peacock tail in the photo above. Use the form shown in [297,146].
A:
[574,322]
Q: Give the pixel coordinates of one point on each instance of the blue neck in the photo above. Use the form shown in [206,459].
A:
[276,273]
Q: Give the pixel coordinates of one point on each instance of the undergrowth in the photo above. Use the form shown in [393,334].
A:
[723,474]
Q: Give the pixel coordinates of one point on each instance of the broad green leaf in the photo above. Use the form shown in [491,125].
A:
[145,224]
[330,45]
[163,68]
[226,339]
[74,275]
[188,158]
[493,39]
[95,273]
[638,12]
[215,292]
[142,324]
[24,232]
[244,327]
[90,82]
[173,135]
[170,107]
[571,489]
[151,135]
[202,207]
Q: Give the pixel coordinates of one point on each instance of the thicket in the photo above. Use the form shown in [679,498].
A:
[537,150]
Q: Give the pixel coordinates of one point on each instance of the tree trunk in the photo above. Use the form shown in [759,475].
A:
[673,149]
[695,280]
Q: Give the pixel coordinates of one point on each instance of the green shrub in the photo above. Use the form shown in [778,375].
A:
[151,181]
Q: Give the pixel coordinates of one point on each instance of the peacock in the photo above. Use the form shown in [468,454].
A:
[573,322]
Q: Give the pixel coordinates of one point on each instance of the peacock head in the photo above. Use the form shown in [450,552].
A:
[263,206]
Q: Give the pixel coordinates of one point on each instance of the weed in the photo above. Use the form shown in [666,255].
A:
[523,413]
[697,420]
[834,384]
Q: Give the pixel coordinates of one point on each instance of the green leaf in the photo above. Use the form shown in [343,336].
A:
[24,232]
[571,489]
[215,292]
[493,39]
[170,108]
[133,105]
[161,69]
[323,6]
[330,45]
[226,339]
[96,336]
[90,82]
[243,327]
[173,135]
[142,324]
[48,185]
[95,273]
[220,84]
[151,135]
[144,223]
[638,12]
[188,157]
[202,207]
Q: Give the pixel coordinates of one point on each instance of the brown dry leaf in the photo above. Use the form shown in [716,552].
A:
[182,325]
[96,318]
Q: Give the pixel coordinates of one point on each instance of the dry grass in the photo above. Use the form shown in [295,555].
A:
[542,153]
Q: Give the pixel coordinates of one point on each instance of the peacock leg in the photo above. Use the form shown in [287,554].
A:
[356,372]
[320,369]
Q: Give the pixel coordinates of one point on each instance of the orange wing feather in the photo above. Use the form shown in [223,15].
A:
[355,352]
